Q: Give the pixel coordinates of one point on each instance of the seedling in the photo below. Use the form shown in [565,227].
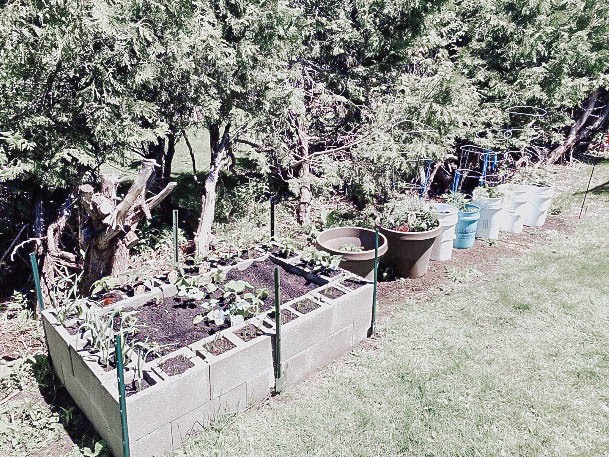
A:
[320,260]
[460,201]
[487,192]
[350,247]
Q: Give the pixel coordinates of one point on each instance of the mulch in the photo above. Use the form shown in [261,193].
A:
[483,256]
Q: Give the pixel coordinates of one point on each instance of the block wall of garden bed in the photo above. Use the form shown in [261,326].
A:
[190,386]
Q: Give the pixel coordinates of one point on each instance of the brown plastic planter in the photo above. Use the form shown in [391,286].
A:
[360,263]
[409,252]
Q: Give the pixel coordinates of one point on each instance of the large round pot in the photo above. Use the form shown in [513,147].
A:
[538,204]
[409,252]
[490,220]
[465,232]
[443,246]
[360,263]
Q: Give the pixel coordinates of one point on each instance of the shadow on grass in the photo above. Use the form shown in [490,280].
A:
[76,425]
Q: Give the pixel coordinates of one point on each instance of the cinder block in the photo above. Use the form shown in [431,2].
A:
[168,400]
[237,366]
[155,444]
[354,305]
[259,389]
[232,401]
[306,331]
[189,424]
[360,328]
[325,352]
[58,348]
[295,369]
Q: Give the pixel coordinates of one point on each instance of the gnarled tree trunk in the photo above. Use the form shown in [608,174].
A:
[220,158]
[112,221]
[576,132]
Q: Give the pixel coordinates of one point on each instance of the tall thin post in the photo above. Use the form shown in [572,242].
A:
[272,201]
[587,190]
[36,275]
[279,380]
[376,273]
[175,236]
[121,394]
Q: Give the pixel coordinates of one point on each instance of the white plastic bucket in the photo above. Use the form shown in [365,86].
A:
[442,248]
[515,199]
[490,217]
[513,222]
[537,206]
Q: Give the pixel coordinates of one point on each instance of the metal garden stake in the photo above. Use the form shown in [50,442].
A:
[175,236]
[121,393]
[376,272]
[36,275]
[272,201]
[279,378]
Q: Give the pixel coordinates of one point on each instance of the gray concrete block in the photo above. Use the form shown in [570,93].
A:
[360,328]
[155,444]
[190,424]
[305,332]
[239,365]
[230,402]
[354,305]
[168,400]
[168,290]
[326,351]
[259,388]
[295,368]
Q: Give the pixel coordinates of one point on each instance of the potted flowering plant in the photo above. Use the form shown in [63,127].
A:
[411,227]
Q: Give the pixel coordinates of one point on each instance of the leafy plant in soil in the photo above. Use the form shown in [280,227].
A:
[286,247]
[350,247]
[409,214]
[487,192]
[236,300]
[458,200]
[100,330]
[129,282]
[320,260]
[534,176]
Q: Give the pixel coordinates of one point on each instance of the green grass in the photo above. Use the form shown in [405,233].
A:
[516,365]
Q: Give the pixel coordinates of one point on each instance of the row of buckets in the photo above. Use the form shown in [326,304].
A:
[522,205]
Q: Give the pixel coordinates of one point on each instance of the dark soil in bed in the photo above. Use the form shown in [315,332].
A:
[249,332]
[286,316]
[332,292]
[261,276]
[176,365]
[169,323]
[305,306]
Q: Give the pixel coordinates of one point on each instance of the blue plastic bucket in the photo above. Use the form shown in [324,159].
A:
[465,231]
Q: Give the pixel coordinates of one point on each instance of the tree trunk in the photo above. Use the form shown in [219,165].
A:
[54,257]
[111,223]
[219,160]
[302,172]
[576,131]
[169,154]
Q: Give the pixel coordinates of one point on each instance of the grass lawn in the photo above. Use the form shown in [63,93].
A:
[516,364]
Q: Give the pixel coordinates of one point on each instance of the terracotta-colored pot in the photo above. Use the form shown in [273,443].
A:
[408,252]
[360,263]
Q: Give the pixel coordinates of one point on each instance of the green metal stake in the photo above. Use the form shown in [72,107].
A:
[279,379]
[376,272]
[36,275]
[272,218]
[121,394]
[175,236]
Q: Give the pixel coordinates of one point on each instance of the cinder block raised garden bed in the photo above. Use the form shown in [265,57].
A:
[199,374]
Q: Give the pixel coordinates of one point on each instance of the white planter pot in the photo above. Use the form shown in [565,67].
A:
[515,199]
[537,206]
[513,222]
[442,248]
[490,217]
